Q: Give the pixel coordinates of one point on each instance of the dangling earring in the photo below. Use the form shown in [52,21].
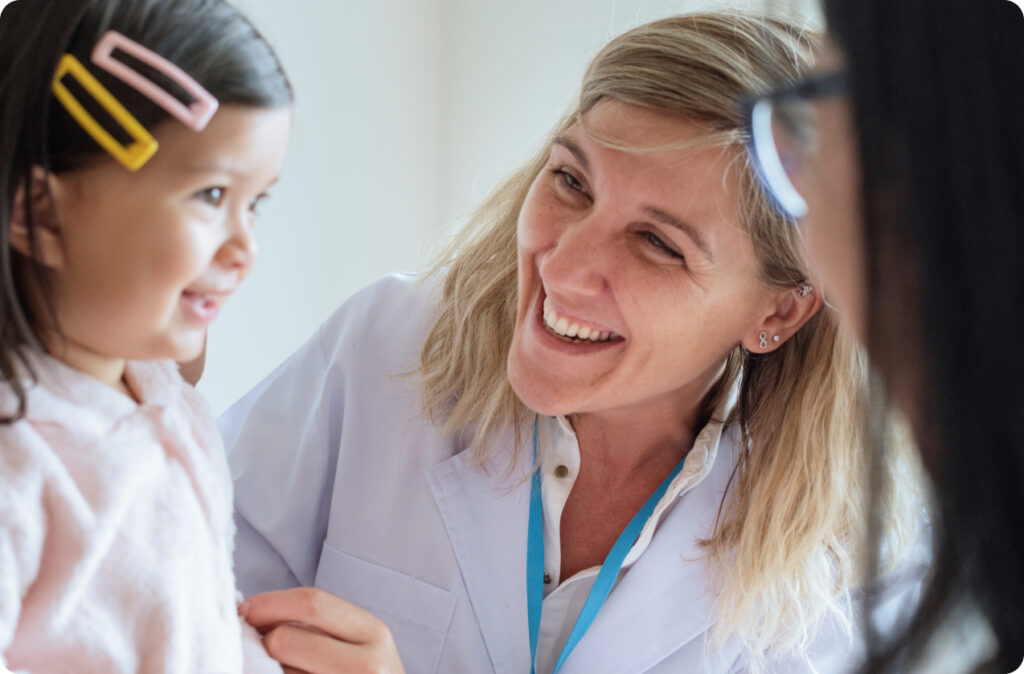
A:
[805,290]
[764,339]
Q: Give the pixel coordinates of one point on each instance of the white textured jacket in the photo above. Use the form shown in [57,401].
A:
[341,483]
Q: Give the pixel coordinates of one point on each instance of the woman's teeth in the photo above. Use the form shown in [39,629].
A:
[561,326]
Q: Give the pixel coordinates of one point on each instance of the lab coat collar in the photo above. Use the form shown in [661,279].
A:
[674,566]
[485,511]
[481,507]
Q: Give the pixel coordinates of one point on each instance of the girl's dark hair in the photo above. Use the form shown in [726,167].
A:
[208,39]
[937,89]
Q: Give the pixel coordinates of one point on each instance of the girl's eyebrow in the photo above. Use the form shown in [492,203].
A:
[213,167]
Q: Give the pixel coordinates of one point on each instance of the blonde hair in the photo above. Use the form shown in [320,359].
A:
[791,530]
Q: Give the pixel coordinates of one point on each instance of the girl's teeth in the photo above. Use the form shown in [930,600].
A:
[584,333]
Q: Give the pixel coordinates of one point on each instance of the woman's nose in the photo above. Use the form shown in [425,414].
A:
[578,262]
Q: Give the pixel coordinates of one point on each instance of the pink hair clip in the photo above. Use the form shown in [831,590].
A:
[195,116]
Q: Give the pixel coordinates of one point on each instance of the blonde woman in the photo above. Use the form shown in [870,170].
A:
[613,431]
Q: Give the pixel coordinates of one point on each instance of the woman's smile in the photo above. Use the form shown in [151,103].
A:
[572,329]
[636,278]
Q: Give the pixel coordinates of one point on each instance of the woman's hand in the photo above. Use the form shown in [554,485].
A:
[312,632]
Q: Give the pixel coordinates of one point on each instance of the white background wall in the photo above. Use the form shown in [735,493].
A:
[407,113]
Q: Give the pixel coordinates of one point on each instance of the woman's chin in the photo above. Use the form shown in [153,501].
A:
[539,394]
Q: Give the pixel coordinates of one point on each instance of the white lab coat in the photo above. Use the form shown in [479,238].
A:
[341,483]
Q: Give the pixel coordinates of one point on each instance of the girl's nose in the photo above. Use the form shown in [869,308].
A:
[241,248]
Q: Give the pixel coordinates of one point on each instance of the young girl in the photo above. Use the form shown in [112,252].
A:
[138,137]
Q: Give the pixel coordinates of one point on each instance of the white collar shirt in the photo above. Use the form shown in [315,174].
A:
[559,465]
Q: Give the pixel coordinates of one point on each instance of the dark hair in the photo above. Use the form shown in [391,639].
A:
[937,89]
[208,39]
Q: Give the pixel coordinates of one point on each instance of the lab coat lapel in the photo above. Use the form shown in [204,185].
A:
[486,515]
[658,606]
[665,600]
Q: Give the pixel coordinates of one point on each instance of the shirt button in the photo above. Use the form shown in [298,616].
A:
[547,578]
[561,471]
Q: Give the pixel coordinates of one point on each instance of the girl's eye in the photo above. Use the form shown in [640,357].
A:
[661,246]
[214,196]
[568,179]
[254,205]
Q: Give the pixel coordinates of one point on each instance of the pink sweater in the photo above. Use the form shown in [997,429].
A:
[116,530]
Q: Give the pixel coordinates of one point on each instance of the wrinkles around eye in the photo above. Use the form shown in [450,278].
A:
[567,181]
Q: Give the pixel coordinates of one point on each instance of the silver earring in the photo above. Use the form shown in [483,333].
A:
[805,290]
[775,339]
[764,339]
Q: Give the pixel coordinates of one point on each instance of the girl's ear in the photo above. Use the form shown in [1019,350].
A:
[44,218]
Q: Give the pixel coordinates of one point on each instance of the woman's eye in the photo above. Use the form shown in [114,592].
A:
[214,196]
[661,245]
[569,180]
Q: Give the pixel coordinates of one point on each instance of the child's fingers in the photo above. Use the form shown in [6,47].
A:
[317,653]
[316,609]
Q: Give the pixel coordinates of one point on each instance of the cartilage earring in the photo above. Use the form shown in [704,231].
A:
[763,337]
[805,290]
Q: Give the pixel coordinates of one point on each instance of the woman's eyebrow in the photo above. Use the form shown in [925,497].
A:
[575,149]
[661,216]
[683,226]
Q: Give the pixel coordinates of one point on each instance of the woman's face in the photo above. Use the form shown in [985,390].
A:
[829,179]
[636,276]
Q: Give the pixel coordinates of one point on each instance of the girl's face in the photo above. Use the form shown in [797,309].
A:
[147,259]
[641,258]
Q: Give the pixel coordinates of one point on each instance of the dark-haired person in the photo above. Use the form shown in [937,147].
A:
[903,156]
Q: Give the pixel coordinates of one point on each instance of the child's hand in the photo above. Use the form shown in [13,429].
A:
[309,630]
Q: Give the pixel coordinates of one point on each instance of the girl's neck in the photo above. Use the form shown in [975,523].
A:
[107,370]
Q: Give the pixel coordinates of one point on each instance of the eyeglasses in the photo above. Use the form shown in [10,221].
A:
[782,134]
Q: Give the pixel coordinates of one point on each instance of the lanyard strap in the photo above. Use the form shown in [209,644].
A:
[605,577]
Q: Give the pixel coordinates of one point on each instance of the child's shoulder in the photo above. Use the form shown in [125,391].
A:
[27,462]
[161,383]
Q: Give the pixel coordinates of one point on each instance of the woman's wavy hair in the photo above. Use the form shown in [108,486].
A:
[788,538]
[208,39]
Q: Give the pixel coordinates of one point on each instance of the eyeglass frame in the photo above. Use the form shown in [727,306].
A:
[757,113]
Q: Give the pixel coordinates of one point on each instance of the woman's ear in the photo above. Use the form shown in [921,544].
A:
[41,201]
[792,308]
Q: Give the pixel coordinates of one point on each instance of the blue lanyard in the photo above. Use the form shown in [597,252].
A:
[605,577]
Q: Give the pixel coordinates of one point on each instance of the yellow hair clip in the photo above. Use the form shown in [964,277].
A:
[133,156]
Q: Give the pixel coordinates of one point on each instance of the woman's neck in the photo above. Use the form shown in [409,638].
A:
[637,440]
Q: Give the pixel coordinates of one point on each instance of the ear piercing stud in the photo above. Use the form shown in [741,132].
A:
[762,339]
[805,290]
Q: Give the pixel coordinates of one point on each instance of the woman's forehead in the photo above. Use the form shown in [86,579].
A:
[646,129]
